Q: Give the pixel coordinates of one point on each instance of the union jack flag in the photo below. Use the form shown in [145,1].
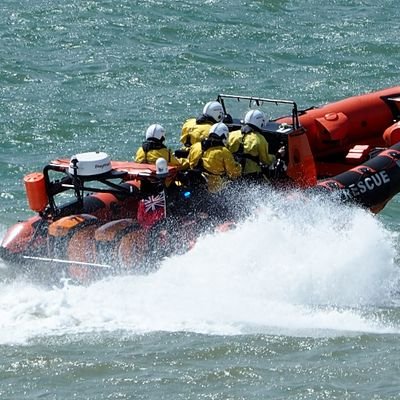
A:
[151,210]
[154,202]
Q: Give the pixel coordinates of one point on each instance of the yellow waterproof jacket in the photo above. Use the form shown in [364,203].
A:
[152,155]
[217,162]
[255,146]
[192,132]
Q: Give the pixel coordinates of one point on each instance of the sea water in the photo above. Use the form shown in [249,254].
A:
[299,301]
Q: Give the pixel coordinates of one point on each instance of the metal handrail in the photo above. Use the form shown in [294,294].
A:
[259,101]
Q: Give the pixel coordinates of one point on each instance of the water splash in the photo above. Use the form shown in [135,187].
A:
[299,266]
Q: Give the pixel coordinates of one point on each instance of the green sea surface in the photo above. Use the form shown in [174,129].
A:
[289,306]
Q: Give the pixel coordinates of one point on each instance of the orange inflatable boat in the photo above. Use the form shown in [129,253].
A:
[95,216]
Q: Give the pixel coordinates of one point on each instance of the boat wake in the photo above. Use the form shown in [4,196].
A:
[298,267]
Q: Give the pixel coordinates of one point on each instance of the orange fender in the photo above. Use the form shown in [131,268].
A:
[133,249]
[19,237]
[82,247]
[108,238]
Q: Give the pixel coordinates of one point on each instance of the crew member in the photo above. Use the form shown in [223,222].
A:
[153,148]
[214,160]
[249,146]
[194,130]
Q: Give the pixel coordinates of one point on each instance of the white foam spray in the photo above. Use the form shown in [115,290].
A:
[299,266]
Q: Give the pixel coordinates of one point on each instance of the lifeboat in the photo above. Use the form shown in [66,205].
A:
[95,216]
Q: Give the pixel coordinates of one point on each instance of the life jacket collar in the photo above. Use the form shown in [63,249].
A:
[205,119]
[211,141]
[153,144]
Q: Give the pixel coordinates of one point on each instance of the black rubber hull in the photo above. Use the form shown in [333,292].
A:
[371,184]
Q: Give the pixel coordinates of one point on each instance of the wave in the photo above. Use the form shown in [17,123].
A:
[298,266]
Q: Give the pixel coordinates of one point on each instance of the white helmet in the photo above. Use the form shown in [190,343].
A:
[214,110]
[220,130]
[255,118]
[155,131]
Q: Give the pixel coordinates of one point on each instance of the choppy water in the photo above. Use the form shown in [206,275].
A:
[300,302]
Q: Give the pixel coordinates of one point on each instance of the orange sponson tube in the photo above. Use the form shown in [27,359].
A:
[36,191]
[336,127]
